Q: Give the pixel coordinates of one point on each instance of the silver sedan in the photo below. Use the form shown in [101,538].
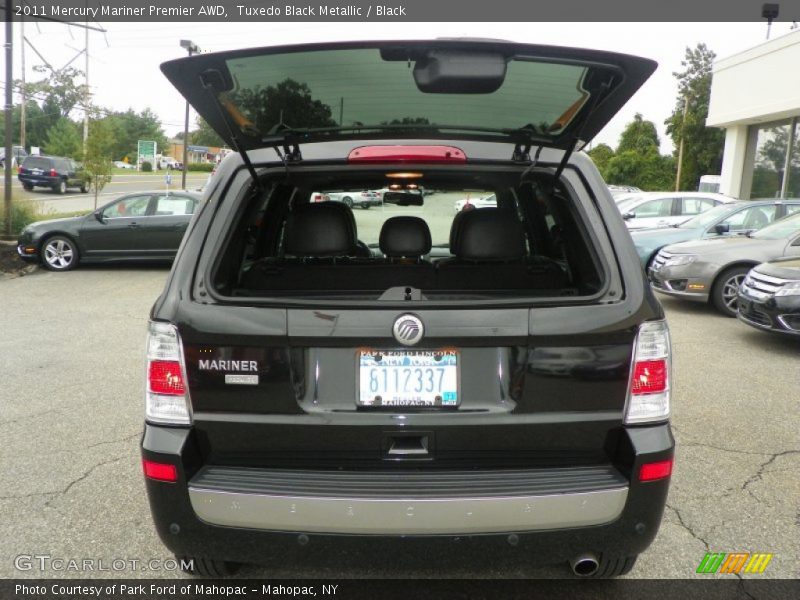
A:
[712,270]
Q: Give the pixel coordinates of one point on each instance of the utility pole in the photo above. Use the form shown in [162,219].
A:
[191,48]
[23,106]
[8,115]
[680,147]
[86,91]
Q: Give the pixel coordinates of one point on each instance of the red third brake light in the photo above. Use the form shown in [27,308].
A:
[407,154]
[649,376]
[164,377]
[656,470]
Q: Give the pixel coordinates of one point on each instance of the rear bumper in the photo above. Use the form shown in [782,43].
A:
[247,515]
[39,180]
[416,503]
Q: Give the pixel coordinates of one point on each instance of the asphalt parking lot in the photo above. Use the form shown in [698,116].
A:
[71,484]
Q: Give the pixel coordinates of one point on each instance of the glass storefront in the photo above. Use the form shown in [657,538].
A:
[771,175]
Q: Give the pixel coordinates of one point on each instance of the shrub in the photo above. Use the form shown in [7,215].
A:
[23,213]
[147,166]
[203,167]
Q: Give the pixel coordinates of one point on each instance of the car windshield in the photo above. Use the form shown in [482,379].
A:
[780,229]
[710,216]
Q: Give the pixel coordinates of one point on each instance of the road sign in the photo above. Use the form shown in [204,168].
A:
[146,151]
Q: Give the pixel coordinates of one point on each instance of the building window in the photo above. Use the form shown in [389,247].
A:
[791,184]
[771,175]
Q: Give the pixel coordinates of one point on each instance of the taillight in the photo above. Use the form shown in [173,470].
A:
[648,392]
[167,399]
[403,154]
[655,470]
[52,172]
[159,471]
[19,170]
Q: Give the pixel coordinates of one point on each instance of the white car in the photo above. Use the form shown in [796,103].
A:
[647,210]
[123,165]
[481,202]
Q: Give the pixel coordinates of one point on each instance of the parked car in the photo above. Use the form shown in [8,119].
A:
[489,201]
[55,172]
[622,189]
[18,153]
[713,270]
[360,198]
[739,218]
[137,226]
[300,386]
[121,164]
[769,297]
[648,210]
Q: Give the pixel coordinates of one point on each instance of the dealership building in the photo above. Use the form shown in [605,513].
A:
[755,97]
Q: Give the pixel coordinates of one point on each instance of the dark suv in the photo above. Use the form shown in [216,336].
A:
[395,381]
[55,172]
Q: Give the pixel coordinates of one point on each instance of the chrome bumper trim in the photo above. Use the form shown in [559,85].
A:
[407,516]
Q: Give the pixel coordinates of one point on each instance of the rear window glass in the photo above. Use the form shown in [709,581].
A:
[511,241]
[363,88]
[37,162]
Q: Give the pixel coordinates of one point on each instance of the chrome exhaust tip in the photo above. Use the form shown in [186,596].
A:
[585,566]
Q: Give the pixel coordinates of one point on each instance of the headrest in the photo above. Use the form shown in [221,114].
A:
[320,229]
[487,234]
[405,236]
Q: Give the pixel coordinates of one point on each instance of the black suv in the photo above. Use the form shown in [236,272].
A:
[400,379]
[55,172]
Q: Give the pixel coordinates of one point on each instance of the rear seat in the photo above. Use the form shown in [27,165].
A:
[490,253]
[318,240]
[404,241]
[320,243]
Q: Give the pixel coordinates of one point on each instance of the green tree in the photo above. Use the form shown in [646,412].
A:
[63,139]
[204,135]
[639,136]
[702,146]
[601,154]
[129,127]
[97,158]
[288,103]
[648,170]
[58,89]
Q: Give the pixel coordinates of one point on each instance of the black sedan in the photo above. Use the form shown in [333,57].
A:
[138,226]
[769,297]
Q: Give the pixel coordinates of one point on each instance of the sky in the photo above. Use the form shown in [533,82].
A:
[124,62]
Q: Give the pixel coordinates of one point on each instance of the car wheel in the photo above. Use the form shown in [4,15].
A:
[726,290]
[61,187]
[59,253]
[348,201]
[84,189]
[27,187]
[365,206]
[206,567]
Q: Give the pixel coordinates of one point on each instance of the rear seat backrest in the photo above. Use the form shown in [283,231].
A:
[405,237]
[320,230]
[490,253]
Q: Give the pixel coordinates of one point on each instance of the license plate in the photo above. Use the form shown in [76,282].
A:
[415,378]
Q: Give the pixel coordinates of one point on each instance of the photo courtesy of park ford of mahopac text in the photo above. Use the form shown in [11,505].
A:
[403,299]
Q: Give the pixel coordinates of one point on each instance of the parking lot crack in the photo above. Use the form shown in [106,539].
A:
[69,486]
[125,439]
[759,474]
[691,531]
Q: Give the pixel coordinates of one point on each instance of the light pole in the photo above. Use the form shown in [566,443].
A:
[191,48]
